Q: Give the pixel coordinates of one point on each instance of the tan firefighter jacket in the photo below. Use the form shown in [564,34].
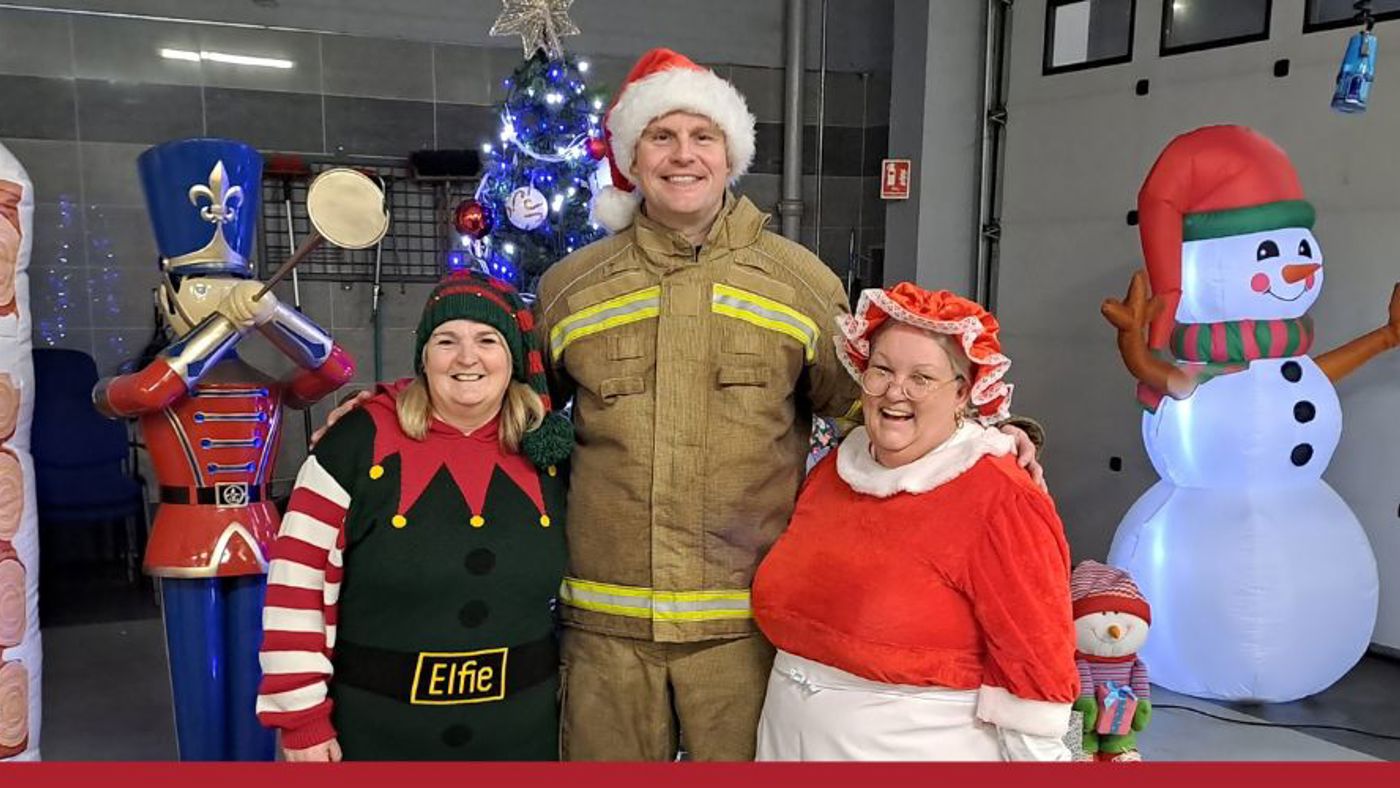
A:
[694,374]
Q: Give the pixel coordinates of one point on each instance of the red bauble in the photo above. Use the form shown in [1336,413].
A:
[597,148]
[471,219]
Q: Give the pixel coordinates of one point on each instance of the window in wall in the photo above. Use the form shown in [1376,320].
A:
[1332,14]
[1087,33]
[1191,25]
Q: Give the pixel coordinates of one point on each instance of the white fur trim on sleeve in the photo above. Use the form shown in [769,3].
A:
[684,90]
[1035,717]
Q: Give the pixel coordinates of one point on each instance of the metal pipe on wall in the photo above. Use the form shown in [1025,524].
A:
[790,206]
[988,174]
[821,134]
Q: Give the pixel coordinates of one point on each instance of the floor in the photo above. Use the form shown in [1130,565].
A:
[106,695]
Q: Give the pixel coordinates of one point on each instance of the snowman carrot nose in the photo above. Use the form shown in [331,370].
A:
[1297,273]
[1114,631]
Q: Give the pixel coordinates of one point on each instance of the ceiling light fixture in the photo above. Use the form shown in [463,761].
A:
[224,57]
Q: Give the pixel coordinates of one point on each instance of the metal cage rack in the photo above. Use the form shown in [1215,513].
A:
[413,250]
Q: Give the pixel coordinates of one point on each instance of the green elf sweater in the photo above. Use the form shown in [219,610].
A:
[410,597]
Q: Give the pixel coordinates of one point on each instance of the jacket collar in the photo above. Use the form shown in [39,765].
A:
[962,450]
[739,224]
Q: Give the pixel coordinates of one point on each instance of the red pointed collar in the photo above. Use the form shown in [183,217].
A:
[471,459]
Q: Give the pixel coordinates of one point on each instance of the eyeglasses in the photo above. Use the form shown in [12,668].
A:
[875,381]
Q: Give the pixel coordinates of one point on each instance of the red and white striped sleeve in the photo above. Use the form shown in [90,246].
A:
[299,616]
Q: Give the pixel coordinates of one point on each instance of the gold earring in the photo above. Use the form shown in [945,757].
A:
[958,418]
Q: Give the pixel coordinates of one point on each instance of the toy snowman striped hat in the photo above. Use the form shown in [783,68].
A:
[1214,182]
[660,83]
[1099,588]
[941,312]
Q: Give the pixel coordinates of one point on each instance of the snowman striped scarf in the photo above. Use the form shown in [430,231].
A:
[1209,350]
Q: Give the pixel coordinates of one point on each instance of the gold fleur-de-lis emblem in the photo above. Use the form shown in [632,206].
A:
[224,200]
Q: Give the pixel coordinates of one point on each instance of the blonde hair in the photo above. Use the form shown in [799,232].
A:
[522,411]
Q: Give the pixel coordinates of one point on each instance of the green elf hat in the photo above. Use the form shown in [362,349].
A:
[471,295]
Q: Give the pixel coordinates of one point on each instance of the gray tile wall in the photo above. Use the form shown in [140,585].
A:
[85,95]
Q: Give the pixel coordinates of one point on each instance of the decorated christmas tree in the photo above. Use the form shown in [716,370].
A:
[532,207]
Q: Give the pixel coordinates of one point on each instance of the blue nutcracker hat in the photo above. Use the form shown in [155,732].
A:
[202,196]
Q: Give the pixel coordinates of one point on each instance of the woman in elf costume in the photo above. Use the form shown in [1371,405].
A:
[409,596]
[919,599]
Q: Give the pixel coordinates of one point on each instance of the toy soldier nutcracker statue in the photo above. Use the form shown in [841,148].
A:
[212,424]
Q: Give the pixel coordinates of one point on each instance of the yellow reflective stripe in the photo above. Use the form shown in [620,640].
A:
[767,314]
[636,602]
[614,312]
[606,588]
[707,615]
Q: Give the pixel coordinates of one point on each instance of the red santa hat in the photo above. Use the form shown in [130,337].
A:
[1213,182]
[660,83]
[1099,588]
[941,312]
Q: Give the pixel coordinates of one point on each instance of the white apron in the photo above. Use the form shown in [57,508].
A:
[815,712]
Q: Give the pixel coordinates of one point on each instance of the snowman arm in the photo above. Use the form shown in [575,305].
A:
[1152,370]
[1340,362]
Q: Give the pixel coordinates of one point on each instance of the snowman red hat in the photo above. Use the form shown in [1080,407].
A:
[1099,588]
[660,83]
[941,312]
[1213,182]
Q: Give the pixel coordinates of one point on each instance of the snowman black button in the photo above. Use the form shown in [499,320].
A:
[1292,372]
[1302,453]
[1304,412]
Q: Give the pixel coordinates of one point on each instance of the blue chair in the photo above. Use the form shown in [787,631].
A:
[84,464]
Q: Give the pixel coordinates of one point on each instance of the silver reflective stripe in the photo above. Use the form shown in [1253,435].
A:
[614,312]
[766,313]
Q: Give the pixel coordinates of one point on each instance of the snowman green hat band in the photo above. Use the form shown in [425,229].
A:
[1253,219]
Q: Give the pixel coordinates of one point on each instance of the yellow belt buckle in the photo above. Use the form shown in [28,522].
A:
[451,678]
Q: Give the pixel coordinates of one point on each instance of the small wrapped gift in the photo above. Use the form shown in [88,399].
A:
[1117,702]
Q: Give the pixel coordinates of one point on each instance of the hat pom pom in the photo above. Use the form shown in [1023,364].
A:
[550,443]
[614,208]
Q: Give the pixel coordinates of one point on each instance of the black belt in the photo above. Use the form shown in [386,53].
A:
[221,494]
[446,678]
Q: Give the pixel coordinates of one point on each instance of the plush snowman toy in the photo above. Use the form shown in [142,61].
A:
[1111,620]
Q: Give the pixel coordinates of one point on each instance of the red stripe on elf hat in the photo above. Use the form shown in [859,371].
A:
[473,289]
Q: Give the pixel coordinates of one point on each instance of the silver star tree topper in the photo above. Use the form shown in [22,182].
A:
[539,23]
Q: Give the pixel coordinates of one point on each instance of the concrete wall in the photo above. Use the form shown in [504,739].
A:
[1079,145]
[936,120]
[84,93]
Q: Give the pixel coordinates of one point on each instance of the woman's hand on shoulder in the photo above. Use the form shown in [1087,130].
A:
[325,752]
[338,413]
[1025,455]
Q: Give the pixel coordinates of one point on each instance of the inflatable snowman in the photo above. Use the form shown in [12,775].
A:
[1263,583]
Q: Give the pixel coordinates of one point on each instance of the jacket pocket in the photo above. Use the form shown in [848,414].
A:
[743,376]
[612,388]
[624,346]
[743,341]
